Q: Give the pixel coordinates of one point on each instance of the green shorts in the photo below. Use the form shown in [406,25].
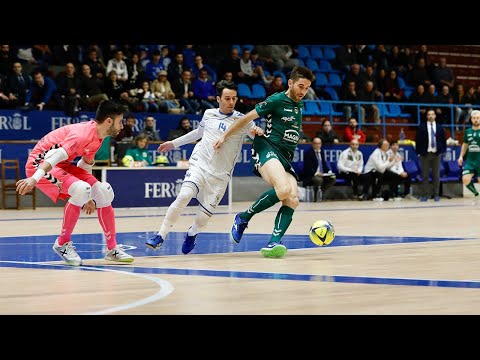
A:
[262,151]
[469,168]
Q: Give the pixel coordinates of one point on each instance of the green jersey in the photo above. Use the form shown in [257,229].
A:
[472,139]
[283,118]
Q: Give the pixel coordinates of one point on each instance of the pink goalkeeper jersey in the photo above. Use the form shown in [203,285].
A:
[76,139]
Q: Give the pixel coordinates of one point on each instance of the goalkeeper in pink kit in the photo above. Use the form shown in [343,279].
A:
[49,168]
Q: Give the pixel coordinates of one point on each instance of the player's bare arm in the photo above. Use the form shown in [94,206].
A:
[236,126]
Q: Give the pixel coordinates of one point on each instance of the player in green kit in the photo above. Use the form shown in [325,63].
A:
[471,143]
[272,155]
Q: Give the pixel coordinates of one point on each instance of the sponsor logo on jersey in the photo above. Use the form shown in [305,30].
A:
[291,136]
[288,110]
[288,118]
[295,110]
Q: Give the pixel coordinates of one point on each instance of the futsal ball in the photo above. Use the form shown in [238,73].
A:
[322,233]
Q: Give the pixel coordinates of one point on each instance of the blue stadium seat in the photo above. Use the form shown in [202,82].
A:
[312,65]
[320,80]
[303,52]
[454,171]
[280,73]
[329,53]
[324,66]
[332,92]
[311,108]
[316,52]
[258,91]
[334,80]
[244,91]
[412,169]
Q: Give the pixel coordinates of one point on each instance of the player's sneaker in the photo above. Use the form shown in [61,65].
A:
[238,228]
[476,200]
[189,243]
[155,242]
[119,255]
[274,250]
[67,253]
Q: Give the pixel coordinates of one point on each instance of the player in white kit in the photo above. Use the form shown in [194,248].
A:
[210,170]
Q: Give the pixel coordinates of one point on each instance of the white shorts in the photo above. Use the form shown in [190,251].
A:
[210,189]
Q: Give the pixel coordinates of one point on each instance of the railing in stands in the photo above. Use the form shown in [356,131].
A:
[413,109]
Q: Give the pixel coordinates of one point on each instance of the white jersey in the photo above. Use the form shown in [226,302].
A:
[397,166]
[219,163]
[350,161]
[378,161]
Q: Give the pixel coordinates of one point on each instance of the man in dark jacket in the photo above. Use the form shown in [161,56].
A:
[430,144]
[316,171]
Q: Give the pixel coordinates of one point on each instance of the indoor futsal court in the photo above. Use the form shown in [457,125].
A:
[403,257]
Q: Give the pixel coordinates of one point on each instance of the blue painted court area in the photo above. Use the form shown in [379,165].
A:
[33,251]
[92,246]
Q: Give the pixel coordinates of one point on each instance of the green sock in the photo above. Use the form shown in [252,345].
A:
[266,200]
[282,222]
[471,187]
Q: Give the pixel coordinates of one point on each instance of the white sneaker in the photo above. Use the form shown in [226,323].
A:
[476,200]
[67,252]
[118,254]
[398,198]
[378,199]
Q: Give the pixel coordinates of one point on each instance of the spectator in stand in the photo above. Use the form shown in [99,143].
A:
[165,58]
[68,86]
[345,57]
[149,129]
[63,54]
[363,55]
[396,175]
[116,90]
[418,97]
[371,110]
[176,69]
[276,86]
[232,64]
[258,65]
[90,89]
[351,94]
[394,58]
[419,75]
[316,170]
[163,91]
[377,164]
[352,131]
[7,58]
[18,84]
[42,92]
[136,72]
[393,92]
[204,91]
[430,144]
[199,65]
[184,127]
[154,66]
[183,90]
[96,64]
[188,56]
[443,75]
[5,101]
[357,76]
[407,61]
[128,131]
[247,74]
[380,57]
[119,65]
[350,167]
[327,134]
[148,98]
[444,112]
[462,114]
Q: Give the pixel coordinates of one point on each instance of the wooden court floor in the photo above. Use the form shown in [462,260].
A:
[387,258]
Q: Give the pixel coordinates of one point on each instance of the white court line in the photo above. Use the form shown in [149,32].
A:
[166,288]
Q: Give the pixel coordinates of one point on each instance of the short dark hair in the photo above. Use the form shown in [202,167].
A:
[225,84]
[109,109]
[301,72]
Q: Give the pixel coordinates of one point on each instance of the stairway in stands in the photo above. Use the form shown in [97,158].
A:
[463,59]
